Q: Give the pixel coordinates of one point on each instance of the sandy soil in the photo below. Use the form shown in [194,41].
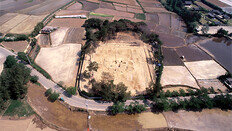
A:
[206,120]
[27,26]
[150,120]
[177,75]
[21,125]
[126,62]
[17,46]
[55,113]
[7,17]
[207,69]
[114,12]
[57,37]
[119,122]
[60,62]
[67,22]
[12,23]
[76,6]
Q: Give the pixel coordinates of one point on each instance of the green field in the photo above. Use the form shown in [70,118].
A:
[98,14]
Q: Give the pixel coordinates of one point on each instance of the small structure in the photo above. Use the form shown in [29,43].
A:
[48,29]
[188,4]
[72,16]
[211,15]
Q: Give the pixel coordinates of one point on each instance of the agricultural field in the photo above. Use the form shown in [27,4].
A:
[16,46]
[57,37]
[126,61]
[60,62]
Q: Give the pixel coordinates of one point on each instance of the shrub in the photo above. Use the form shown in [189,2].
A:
[54,96]
[37,28]
[86,74]
[34,79]
[22,56]
[135,107]
[48,92]
[71,91]
[93,66]
[182,92]
[15,37]
[116,108]
[42,71]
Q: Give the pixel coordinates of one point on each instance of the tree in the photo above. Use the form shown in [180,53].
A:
[116,108]
[205,29]
[71,91]
[54,96]
[48,92]
[14,80]
[22,56]
[93,66]
[221,32]
[34,79]
[10,61]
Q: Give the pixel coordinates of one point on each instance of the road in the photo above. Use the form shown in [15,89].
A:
[75,101]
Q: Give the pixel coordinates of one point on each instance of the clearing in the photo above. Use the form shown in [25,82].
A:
[60,62]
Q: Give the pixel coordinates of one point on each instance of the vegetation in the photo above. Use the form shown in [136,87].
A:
[48,92]
[15,37]
[133,108]
[20,108]
[53,96]
[140,16]
[37,29]
[222,33]
[93,66]
[71,91]
[10,61]
[98,14]
[34,79]
[41,70]
[23,56]
[109,91]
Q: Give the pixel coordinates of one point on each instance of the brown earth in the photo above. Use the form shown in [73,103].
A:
[126,2]
[133,10]
[17,46]
[152,17]
[75,35]
[154,9]
[171,40]
[44,40]
[150,1]
[55,113]
[171,58]
[106,5]
[120,8]
[7,17]
[57,37]
[218,3]
[114,12]
[163,29]
[165,19]
[72,12]
[95,1]
[89,6]
[76,6]
[67,22]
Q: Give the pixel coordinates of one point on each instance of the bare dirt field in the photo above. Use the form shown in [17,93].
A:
[153,17]
[7,17]
[133,10]
[43,40]
[21,125]
[126,62]
[192,53]
[67,22]
[106,5]
[57,37]
[12,23]
[75,35]
[175,22]
[171,58]
[150,120]
[165,19]
[95,1]
[215,83]
[171,40]
[17,46]
[120,8]
[206,120]
[27,26]
[76,6]
[72,12]
[126,2]
[207,69]
[163,29]
[149,1]
[177,75]
[114,12]
[218,3]
[55,113]
[89,6]
[155,10]
[60,62]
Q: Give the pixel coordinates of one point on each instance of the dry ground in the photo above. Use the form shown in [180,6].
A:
[67,22]
[60,62]
[76,6]
[55,113]
[43,40]
[218,3]
[57,37]
[177,75]
[17,46]
[126,2]
[126,60]
[207,69]
[21,125]
[7,17]
[75,35]
[114,12]
[27,26]
[72,12]
[206,120]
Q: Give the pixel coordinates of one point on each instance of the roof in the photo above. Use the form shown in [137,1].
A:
[188,2]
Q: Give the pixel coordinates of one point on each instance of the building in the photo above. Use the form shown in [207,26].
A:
[72,16]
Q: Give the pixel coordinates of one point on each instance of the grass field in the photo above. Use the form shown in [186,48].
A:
[140,16]
[99,14]
[19,108]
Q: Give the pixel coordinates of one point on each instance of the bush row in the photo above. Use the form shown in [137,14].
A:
[120,107]
[15,37]
[193,103]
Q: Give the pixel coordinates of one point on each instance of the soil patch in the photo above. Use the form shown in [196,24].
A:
[7,17]
[165,19]
[206,120]
[207,69]
[171,40]
[177,75]
[171,58]
[89,6]
[218,3]
[120,122]
[162,29]
[120,8]
[126,2]
[106,5]
[114,12]
[150,120]
[67,22]
[55,113]
[76,6]
[133,10]
[44,40]
[57,37]
[155,10]
[75,35]
[60,62]
[215,83]
[72,12]
[27,26]
[153,17]
[17,46]
[192,53]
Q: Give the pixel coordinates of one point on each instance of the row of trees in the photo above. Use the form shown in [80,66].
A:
[13,80]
